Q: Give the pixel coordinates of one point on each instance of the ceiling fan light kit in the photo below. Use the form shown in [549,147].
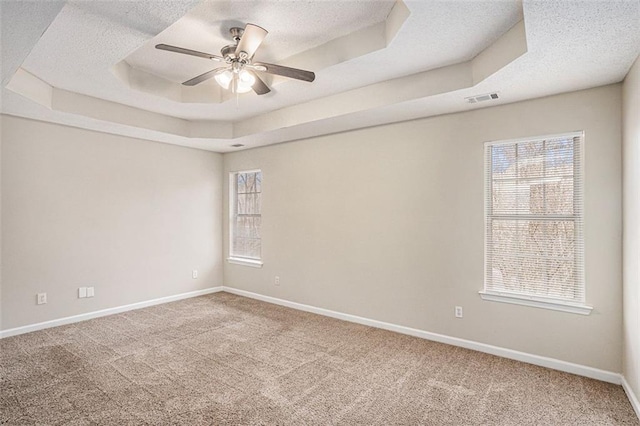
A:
[239,72]
[238,82]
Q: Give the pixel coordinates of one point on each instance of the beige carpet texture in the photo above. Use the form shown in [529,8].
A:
[222,359]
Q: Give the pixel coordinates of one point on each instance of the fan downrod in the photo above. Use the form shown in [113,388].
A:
[236,33]
[229,52]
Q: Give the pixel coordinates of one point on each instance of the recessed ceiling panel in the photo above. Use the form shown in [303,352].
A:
[294,26]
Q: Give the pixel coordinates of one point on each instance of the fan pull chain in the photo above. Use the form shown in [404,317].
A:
[234,89]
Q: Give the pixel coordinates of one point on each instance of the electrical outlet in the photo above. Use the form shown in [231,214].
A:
[276,280]
[458,311]
[41,298]
[194,274]
[90,292]
[82,292]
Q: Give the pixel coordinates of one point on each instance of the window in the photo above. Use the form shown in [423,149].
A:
[246,219]
[534,245]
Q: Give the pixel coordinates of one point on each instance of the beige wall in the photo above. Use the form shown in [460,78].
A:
[387,223]
[79,208]
[631,226]
[1,223]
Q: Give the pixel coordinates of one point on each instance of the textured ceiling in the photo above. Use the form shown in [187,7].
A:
[570,46]
[293,28]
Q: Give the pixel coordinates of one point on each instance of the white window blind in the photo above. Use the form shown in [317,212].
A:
[534,219]
[246,214]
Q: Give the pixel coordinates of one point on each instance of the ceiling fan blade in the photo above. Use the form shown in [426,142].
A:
[259,86]
[202,77]
[176,49]
[251,39]
[296,73]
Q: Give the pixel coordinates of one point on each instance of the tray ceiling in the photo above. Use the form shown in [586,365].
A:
[93,65]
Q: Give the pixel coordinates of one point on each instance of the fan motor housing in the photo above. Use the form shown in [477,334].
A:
[229,51]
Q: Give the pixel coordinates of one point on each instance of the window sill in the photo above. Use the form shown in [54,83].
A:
[254,263]
[574,308]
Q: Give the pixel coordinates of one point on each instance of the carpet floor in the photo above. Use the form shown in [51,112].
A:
[223,359]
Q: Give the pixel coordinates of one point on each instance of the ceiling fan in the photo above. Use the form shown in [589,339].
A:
[239,74]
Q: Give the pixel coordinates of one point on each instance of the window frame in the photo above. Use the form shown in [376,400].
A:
[233,208]
[578,306]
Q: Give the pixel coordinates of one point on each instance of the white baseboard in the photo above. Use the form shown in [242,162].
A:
[556,364]
[632,396]
[105,312]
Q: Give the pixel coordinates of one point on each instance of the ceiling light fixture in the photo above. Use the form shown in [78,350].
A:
[239,81]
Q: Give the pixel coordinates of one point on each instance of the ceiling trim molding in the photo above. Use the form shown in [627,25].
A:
[100,109]
[415,86]
[31,87]
[135,79]
[358,43]
[498,55]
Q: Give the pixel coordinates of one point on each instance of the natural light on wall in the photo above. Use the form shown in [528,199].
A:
[534,244]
